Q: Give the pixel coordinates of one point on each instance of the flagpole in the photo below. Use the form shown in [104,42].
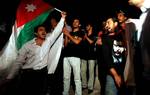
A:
[58,10]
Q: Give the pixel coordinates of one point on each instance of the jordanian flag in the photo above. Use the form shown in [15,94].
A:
[30,13]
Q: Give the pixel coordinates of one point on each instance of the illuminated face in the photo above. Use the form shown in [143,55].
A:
[118,48]
[76,23]
[88,27]
[110,25]
[41,32]
[121,17]
[137,3]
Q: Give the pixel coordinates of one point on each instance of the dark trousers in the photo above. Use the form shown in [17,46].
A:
[138,69]
[102,70]
[33,82]
[145,87]
[9,88]
[142,82]
[55,81]
[55,85]
[102,80]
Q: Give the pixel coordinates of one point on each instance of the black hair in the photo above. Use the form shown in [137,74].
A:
[89,23]
[114,19]
[123,12]
[41,25]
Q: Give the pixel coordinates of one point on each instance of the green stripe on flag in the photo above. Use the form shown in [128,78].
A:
[27,33]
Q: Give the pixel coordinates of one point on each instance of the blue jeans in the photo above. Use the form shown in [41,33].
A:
[111,88]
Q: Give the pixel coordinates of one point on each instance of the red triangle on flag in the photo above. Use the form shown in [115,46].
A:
[30,9]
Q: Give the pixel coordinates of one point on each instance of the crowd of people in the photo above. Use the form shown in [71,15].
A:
[120,50]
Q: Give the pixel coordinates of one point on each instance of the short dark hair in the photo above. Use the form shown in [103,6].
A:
[122,12]
[41,25]
[113,19]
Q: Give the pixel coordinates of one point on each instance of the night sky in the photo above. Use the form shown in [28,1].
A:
[95,10]
[87,10]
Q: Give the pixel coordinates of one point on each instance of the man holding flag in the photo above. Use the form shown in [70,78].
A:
[30,14]
[33,60]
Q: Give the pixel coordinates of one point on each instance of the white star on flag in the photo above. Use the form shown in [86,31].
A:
[30,7]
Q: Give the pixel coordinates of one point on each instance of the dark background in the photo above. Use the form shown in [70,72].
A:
[94,11]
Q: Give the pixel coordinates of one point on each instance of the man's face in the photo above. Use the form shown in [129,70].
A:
[53,22]
[110,25]
[88,27]
[41,33]
[137,3]
[76,23]
[121,17]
